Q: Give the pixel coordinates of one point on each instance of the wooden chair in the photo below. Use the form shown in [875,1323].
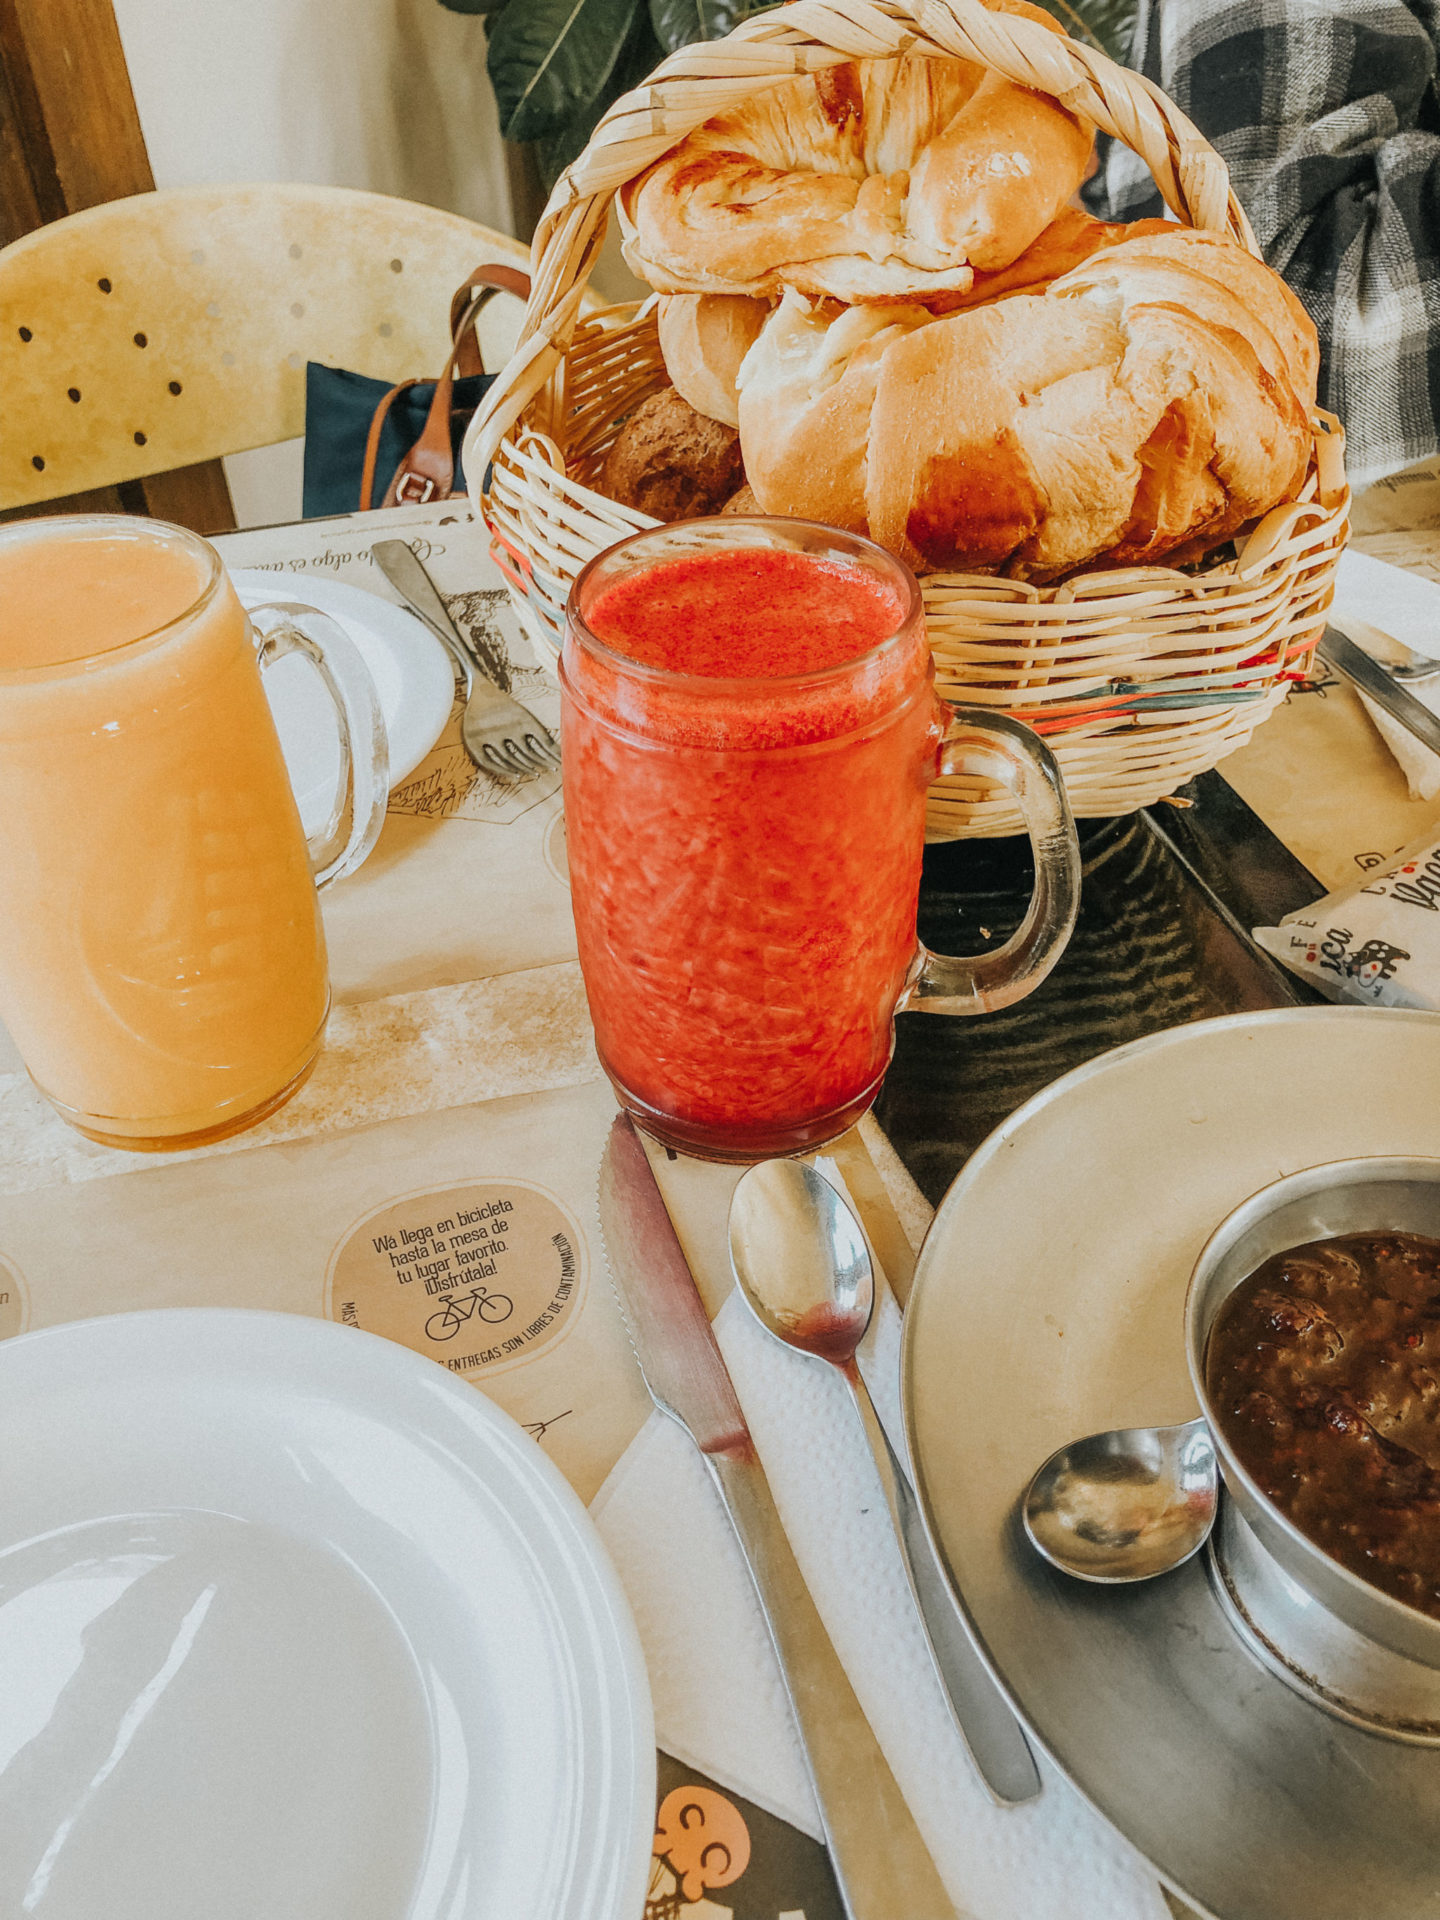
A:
[161,331]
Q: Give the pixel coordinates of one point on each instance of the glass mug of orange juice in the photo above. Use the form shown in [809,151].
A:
[162,957]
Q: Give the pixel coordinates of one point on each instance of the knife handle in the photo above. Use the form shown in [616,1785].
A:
[882,1865]
[982,1716]
[406,573]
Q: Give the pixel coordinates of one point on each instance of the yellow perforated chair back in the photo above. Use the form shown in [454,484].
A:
[172,327]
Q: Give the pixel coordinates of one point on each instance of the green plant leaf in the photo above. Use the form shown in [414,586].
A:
[472,6]
[641,53]
[551,59]
[680,23]
[1107,24]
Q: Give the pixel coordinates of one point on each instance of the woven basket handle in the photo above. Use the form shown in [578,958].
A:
[807,36]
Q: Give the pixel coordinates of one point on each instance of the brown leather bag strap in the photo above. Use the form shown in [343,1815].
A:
[372,444]
[481,287]
[428,470]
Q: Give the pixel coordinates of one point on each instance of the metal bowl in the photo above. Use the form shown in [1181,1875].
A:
[1299,1607]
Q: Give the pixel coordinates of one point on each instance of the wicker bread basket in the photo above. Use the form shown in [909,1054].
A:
[1139,679]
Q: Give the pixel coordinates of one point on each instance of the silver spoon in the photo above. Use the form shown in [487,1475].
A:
[802,1263]
[1413,670]
[1415,667]
[1125,1505]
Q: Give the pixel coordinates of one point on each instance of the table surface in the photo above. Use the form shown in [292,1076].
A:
[1167,900]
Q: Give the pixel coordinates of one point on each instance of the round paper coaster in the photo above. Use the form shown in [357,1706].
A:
[478,1277]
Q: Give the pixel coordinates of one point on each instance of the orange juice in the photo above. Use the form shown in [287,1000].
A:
[162,961]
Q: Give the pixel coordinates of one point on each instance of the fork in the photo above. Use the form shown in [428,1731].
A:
[500,735]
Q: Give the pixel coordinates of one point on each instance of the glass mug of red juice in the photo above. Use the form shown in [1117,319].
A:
[162,959]
[749,728]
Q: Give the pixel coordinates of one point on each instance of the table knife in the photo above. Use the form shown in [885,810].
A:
[493,719]
[405,572]
[882,1867]
[1365,672]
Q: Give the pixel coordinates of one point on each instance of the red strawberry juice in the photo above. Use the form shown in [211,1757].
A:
[748,733]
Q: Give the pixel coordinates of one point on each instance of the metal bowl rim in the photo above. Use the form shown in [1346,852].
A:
[1363,1171]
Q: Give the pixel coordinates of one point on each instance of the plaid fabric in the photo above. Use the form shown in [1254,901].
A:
[1327,114]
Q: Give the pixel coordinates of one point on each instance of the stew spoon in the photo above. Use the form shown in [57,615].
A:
[801,1262]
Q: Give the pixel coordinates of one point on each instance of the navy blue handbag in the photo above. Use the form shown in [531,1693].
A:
[339,409]
[360,432]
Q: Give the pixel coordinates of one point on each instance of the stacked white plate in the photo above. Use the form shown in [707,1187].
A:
[294,1625]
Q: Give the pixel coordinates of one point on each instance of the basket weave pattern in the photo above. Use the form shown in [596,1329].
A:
[1139,678]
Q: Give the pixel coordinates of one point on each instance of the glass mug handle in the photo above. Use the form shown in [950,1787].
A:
[995,747]
[285,627]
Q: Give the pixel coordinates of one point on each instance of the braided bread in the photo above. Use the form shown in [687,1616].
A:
[874,180]
[1154,399]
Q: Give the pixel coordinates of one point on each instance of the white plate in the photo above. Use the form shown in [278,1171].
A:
[413,678]
[1047,1304]
[295,1624]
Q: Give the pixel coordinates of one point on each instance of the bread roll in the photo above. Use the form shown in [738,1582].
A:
[1071,238]
[742,501]
[1224,279]
[704,337]
[807,388]
[671,462]
[875,180]
[1139,405]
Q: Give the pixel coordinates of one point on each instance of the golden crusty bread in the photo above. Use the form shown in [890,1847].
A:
[672,462]
[1071,238]
[1137,406]
[704,337]
[742,501]
[878,179]
[1212,258]
[807,389]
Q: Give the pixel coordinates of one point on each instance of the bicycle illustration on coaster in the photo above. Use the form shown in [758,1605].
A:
[492,1308]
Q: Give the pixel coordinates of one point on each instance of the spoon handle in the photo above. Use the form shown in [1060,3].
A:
[983,1717]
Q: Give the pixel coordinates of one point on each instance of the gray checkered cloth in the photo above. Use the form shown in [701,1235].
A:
[1327,114]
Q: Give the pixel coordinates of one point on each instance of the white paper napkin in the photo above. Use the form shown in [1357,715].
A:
[719,1703]
[1373,600]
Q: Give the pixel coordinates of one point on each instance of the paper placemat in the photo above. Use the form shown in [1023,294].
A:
[466,1234]
[1325,783]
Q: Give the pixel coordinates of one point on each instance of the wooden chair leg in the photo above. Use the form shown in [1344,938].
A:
[195,497]
[70,138]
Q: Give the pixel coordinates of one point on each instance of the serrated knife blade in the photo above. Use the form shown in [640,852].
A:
[882,1868]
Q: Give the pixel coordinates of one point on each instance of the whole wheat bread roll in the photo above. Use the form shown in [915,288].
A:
[672,462]
[1155,397]
[875,180]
